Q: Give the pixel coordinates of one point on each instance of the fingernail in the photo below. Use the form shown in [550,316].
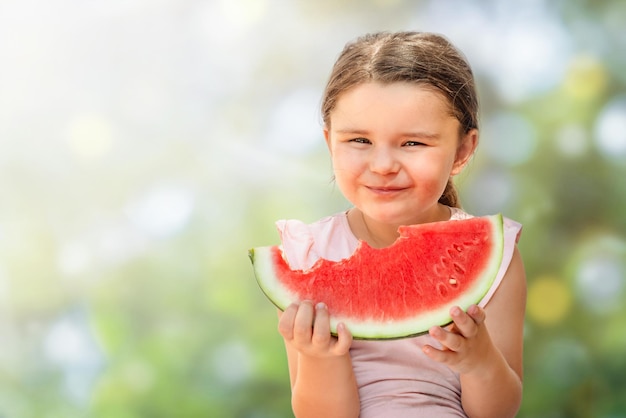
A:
[456,311]
[320,306]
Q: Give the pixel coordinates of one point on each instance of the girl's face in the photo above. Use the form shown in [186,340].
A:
[393,148]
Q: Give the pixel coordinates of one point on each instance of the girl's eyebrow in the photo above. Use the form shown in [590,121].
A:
[423,135]
[351,131]
[416,134]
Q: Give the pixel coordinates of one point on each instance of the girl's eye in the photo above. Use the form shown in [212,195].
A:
[413,143]
[360,140]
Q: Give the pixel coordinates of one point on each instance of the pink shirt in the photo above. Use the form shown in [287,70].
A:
[395,379]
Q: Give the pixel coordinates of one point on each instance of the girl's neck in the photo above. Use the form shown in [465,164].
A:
[380,235]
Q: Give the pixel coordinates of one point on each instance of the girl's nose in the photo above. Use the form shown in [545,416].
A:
[383,161]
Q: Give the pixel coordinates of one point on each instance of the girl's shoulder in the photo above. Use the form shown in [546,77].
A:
[512,229]
[457,214]
[304,243]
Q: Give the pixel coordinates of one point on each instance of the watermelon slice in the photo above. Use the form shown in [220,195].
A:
[398,291]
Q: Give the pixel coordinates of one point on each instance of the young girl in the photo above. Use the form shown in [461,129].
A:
[400,120]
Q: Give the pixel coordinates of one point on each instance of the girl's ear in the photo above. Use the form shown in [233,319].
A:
[465,151]
[327,137]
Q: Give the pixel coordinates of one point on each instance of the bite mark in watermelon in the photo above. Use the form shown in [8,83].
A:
[398,291]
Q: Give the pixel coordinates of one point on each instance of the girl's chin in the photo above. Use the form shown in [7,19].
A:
[397,219]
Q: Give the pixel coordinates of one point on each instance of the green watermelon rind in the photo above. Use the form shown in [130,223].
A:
[263,270]
[261,258]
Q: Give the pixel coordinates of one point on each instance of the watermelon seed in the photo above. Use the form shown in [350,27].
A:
[472,242]
[453,282]
[459,269]
[458,247]
[442,289]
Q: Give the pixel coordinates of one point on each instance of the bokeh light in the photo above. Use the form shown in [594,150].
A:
[610,129]
[600,284]
[163,210]
[549,300]
[599,268]
[232,362]
[90,136]
[509,138]
[572,140]
[586,78]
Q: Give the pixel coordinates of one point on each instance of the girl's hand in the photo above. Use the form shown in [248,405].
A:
[306,327]
[467,346]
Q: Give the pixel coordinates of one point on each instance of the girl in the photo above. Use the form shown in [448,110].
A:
[400,120]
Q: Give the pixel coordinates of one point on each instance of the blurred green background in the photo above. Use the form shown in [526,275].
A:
[145,145]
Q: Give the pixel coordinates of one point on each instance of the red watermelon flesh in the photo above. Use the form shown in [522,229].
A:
[397,291]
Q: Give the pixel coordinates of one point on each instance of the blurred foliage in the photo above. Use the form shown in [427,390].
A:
[145,146]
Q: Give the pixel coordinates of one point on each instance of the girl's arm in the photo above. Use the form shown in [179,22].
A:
[320,366]
[486,348]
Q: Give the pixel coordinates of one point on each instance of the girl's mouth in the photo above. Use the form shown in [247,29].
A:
[386,190]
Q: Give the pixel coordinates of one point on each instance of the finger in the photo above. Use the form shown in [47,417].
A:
[286,321]
[435,353]
[321,325]
[463,323]
[303,322]
[344,339]
[449,340]
[477,314]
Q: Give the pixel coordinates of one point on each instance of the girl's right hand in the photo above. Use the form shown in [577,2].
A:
[306,327]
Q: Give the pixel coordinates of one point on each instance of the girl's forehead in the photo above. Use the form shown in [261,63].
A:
[391,99]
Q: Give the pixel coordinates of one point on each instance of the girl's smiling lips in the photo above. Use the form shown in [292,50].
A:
[386,190]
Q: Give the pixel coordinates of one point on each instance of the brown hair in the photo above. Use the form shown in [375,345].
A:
[416,57]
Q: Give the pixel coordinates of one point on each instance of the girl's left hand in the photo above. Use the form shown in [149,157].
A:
[467,346]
